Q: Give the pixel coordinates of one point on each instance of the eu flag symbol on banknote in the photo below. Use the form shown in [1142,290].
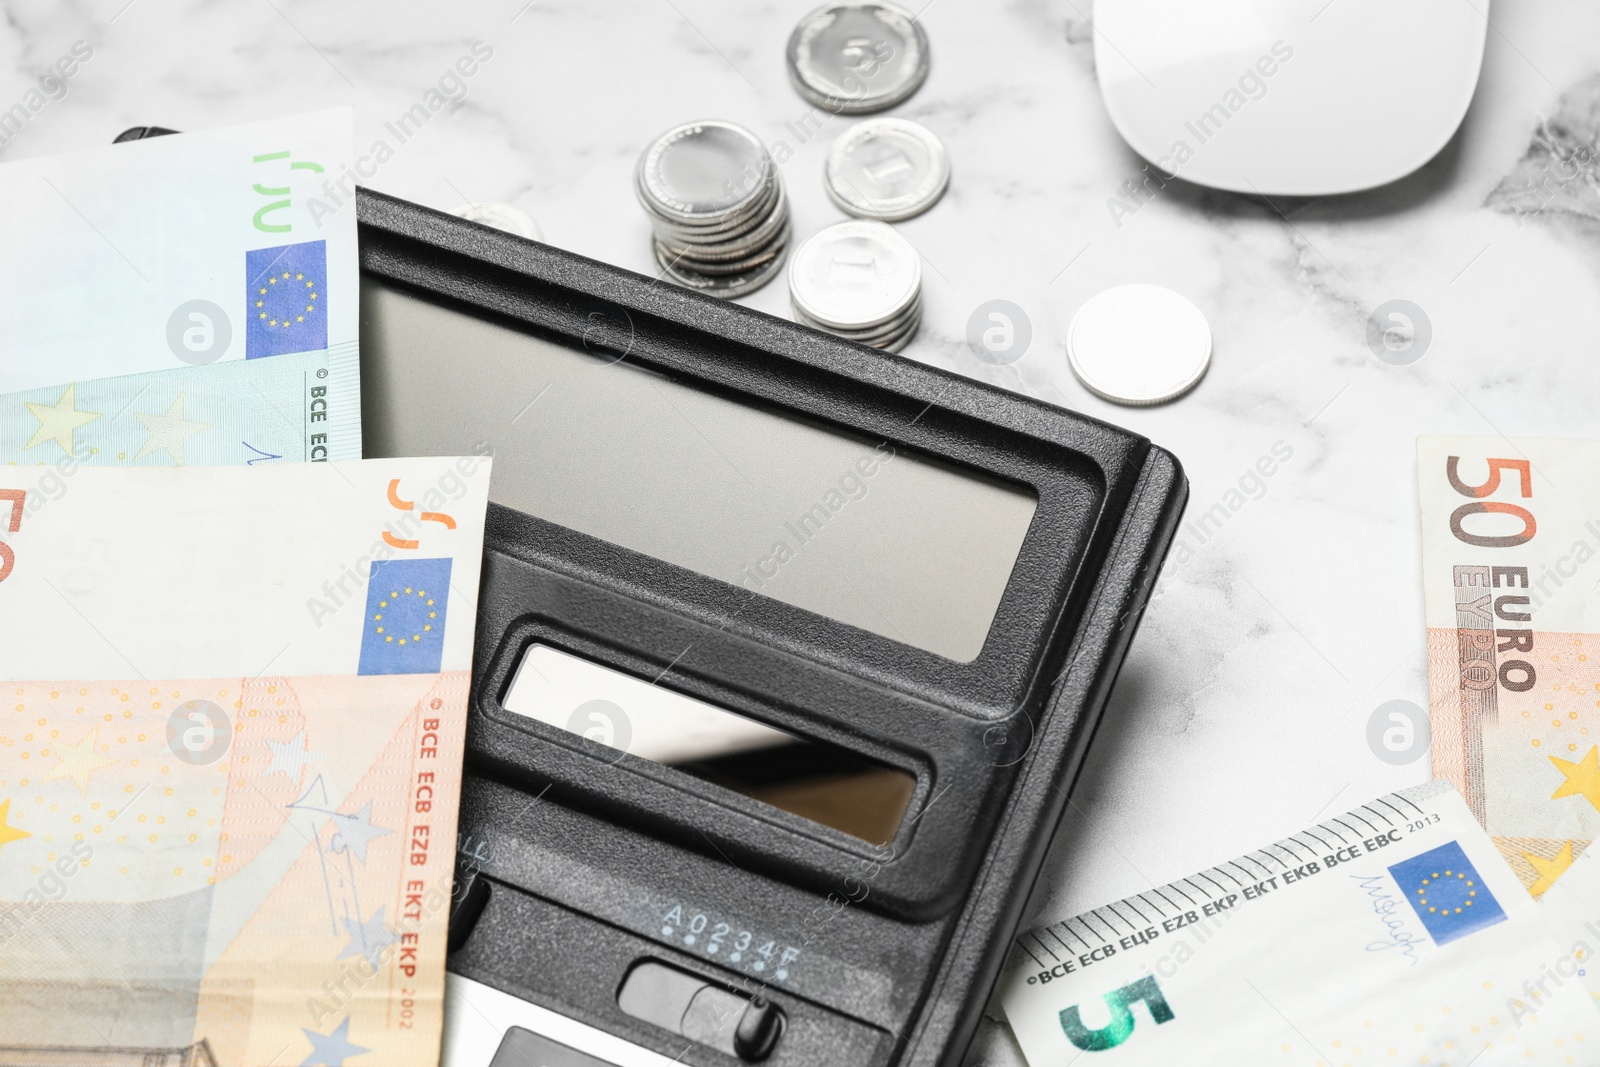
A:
[404,628]
[1447,893]
[286,299]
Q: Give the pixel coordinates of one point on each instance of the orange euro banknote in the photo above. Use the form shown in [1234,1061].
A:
[232,717]
[229,863]
[1511,568]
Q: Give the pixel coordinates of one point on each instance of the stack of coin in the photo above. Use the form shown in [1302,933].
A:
[717,205]
[861,281]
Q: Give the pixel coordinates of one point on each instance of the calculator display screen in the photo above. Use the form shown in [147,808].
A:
[850,528]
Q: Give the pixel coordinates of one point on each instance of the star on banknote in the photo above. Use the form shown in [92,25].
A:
[58,421]
[81,760]
[168,432]
[1582,778]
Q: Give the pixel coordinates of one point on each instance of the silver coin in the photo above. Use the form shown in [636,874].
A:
[717,208]
[858,57]
[901,333]
[1139,345]
[894,329]
[774,249]
[891,338]
[909,321]
[874,334]
[735,246]
[884,336]
[501,217]
[900,344]
[730,264]
[855,275]
[725,286]
[889,169]
[704,171]
[715,228]
[732,225]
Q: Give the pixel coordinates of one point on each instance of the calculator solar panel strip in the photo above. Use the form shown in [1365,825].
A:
[612,909]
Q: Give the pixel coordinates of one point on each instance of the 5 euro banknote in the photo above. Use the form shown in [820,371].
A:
[1393,933]
[230,758]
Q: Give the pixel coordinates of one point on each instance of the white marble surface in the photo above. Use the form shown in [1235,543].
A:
[1241,713]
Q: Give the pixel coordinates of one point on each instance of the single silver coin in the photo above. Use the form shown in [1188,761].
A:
[501,217]
[704,171]
[889,169]
[857,58]
[855,275]
[1139,345]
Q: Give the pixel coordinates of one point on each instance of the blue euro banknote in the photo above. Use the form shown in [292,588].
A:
[204,249]
[243,412]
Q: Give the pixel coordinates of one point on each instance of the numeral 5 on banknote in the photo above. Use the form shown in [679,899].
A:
[1119,1002]
[11,502]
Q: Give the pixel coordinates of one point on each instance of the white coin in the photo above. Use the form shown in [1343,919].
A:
[501,217]
[857,57]
[704,172]
[1139,344]
[888,169]
[855,275]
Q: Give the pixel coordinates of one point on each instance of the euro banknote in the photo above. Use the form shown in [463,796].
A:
[226,413]
[230,758]
[228,246]
[1510,536]
[1394,933]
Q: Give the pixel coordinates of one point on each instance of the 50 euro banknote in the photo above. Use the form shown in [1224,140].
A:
[230,758]
[1511,582]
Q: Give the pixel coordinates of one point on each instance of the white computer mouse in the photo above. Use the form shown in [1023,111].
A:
[1290,97]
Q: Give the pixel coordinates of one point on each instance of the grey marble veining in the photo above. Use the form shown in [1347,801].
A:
[1241,713]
